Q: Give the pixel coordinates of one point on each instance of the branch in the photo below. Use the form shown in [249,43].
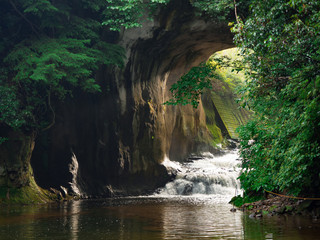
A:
[25,18]
[235,11]
[53,113]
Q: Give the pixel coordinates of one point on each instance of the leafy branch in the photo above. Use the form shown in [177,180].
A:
[191,85]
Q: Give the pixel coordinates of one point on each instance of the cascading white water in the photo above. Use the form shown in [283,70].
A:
[208,175]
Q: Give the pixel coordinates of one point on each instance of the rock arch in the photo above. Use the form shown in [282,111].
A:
[120,137]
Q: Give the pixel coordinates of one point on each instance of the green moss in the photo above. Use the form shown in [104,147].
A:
[229,112]
[216,134]
[210,115]
[31,194]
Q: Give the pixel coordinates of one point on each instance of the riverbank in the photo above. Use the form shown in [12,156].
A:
[277,205]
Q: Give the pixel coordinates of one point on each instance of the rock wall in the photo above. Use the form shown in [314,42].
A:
[15,159]
[17,184]
[120,137]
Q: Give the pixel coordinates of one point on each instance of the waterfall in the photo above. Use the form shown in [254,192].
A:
[206,175]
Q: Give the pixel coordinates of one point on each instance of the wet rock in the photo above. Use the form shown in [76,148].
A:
[110,191]
[57,193]
[63,191]
[187,189]
[192,158]
[232,144]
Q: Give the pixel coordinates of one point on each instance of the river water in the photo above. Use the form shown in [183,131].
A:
[194,206]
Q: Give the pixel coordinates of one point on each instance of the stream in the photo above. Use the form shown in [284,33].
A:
[193,206]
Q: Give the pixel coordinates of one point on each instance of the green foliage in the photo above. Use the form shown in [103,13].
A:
[239,200]
[129,13]
[3,139]
[280,43]
[51,63]
[222,10]
[49,50]
[11,111]
[190,87]
[229,69]
[254,158]
[216,73]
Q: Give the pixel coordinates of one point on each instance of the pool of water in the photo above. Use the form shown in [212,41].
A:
[148,218]
[193,206]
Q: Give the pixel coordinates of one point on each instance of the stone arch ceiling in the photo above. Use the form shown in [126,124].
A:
[120,137]
[158,55]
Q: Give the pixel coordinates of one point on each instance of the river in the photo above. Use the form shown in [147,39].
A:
[194,206]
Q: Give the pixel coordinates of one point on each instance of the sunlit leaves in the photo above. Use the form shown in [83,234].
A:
[190,87]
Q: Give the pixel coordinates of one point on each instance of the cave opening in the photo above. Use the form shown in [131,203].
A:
[126,131]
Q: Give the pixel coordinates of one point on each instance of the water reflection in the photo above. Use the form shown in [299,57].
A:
[148,218]
[200,221]
[281,227]
[75,210]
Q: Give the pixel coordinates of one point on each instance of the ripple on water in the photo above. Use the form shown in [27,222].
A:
[160,216]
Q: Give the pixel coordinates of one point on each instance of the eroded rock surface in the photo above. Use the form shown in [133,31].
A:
[121,136]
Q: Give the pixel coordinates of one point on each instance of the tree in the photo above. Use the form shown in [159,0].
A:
[51,48]
[280,44]
[129,13]
[191,85]
[48,49]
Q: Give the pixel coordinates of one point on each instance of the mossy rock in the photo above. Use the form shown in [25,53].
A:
[31,194]
[216,134]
